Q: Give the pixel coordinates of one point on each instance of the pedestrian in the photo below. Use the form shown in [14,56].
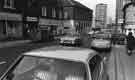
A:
[130,42]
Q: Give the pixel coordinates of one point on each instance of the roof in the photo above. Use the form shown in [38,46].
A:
[73,3]
[67,53]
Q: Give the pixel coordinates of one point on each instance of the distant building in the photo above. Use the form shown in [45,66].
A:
[119,13]
[101,15]
[119,6]
[129,18]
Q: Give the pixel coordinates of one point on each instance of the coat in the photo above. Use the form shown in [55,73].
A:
[130,42]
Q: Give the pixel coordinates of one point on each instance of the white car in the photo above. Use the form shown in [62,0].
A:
[57,63]
[69,39]
[101,43]
[97,43]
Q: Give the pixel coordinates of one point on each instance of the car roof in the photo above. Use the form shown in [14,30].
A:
[66,53]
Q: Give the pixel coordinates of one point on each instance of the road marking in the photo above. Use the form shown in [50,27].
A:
[3,62]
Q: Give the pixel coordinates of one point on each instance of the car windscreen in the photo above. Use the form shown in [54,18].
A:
[37,68]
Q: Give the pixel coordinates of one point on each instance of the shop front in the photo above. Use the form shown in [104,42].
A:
[50,28]
[10,26]
[31,30]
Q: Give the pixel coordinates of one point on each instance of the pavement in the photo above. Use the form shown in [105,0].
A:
[13,43]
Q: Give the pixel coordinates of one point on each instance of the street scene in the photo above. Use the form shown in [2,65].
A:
[67,40]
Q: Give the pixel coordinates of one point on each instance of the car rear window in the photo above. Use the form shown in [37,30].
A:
[37,68]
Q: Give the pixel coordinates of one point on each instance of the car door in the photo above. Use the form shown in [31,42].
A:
[96,67]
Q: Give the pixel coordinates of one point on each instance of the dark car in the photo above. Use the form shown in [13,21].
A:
[119,38]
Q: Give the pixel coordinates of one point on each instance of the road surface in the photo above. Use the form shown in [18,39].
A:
[126,65]
[120,66]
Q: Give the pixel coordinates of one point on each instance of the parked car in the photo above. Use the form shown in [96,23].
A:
[70,39]
[57,63]
[101,42]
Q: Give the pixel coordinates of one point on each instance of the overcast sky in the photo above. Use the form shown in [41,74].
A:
[92,4]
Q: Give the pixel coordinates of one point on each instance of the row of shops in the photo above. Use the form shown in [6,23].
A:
[15,26]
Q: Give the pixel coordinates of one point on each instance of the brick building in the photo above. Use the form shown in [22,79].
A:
[40,19]
[77,17]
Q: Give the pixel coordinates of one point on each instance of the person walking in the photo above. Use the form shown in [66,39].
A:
[130,43]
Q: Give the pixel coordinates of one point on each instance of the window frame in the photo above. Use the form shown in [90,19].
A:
[44,11]
[10,5]
[54,12]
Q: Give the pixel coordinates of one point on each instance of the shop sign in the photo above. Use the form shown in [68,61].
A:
[44,27]
[31,19]
[10,16]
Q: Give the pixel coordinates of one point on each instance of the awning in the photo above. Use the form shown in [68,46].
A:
[10,16]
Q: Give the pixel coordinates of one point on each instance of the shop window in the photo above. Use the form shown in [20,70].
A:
[44,11]
[8,3]
[53,12]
